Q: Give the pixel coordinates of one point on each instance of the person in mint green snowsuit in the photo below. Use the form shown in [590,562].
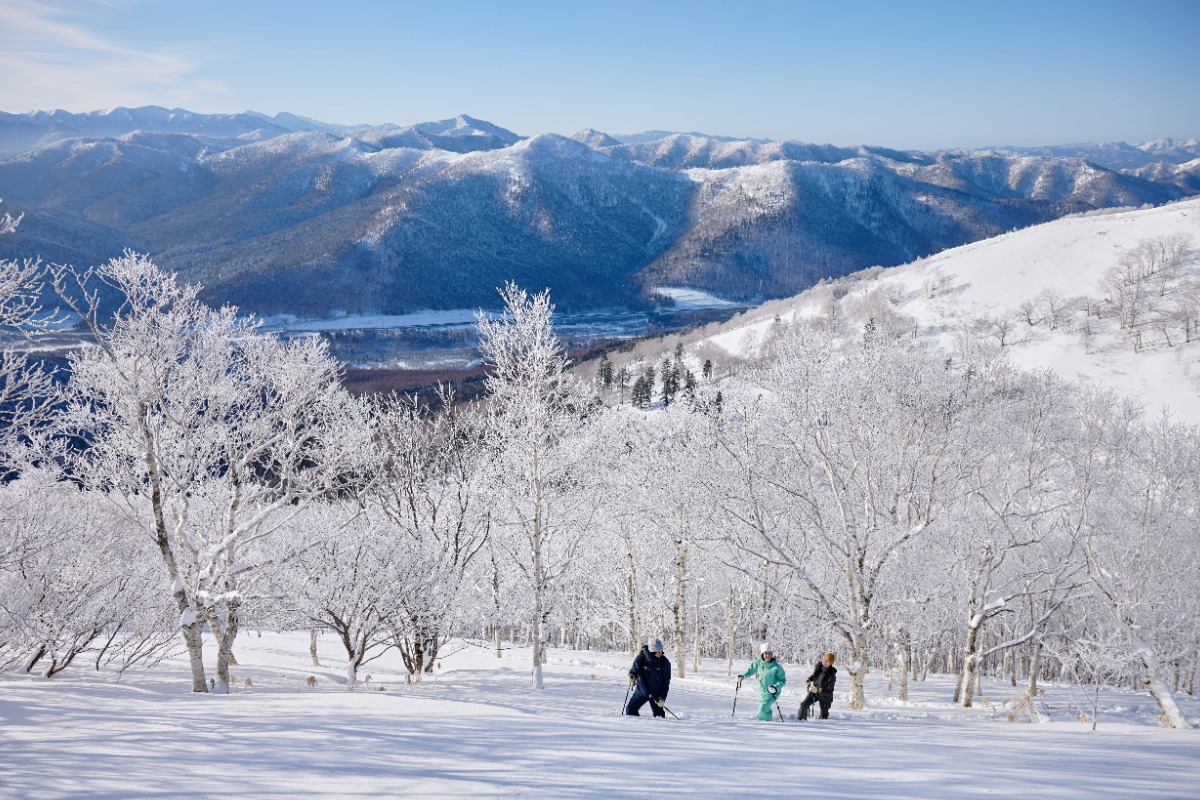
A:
[770,680]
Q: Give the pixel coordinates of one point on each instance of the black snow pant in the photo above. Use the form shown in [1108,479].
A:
[640,699]
[825,699]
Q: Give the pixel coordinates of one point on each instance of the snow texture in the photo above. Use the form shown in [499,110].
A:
[951,292]
[473,729]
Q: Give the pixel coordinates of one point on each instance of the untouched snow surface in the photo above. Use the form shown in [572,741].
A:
[475,729]
[947,295]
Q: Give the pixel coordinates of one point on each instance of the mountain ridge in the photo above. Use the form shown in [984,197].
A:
[286,214]
[1047,297]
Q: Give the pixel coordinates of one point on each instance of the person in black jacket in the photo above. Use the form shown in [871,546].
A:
[820,688]
[651,675]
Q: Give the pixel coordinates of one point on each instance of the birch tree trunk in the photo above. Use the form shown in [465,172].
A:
[225,635]
[679,609]
[190,623]
[540,612]
[1153,682]
[730,631]
[858,670]
[970,656]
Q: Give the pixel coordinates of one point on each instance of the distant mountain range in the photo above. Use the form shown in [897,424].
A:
[284,214]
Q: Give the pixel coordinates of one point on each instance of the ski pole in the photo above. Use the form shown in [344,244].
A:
[735,693]
[775,696]
[625,705]
[669,711]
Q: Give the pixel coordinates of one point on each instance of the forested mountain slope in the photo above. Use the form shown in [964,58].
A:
[1111,299]
[285,214]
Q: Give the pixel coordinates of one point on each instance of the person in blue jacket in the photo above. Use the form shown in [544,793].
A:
[651,677]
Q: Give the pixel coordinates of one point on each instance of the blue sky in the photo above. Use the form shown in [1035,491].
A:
[917,74]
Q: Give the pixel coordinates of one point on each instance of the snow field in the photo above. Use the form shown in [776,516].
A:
[992,278]
[474,728]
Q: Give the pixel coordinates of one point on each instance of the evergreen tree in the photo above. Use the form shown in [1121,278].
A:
[605,372]
[641,394]
[670,381]
[623,377]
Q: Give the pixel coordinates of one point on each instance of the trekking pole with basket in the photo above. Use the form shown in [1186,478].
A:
[663,706]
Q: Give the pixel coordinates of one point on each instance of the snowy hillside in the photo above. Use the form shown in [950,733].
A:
[473,729]
[287,215]
[1041,294]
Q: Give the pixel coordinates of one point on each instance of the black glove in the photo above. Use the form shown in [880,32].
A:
[739,683]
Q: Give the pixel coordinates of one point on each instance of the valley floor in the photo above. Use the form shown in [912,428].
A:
[474,729]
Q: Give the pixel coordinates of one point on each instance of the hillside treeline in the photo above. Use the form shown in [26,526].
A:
[848,490]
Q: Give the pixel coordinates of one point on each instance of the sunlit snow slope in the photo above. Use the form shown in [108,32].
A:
[1033,288]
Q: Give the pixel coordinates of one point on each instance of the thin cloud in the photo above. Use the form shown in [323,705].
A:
[51,59]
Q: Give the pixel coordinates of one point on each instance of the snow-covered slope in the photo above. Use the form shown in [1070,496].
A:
[473,729]
[1030,292]
[285,215]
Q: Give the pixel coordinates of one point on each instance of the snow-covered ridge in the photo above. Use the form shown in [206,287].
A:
[1033,289]
[288,215]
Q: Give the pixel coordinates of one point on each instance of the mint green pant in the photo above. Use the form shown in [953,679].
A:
[766,708]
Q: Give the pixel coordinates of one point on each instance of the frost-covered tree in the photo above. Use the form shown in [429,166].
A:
[202,433]
[1016,541]
[431,485]
[668,511]
[75,585]
[25,388]
[353,573]
[1092,654]
[1147,286]
[1141,531]
[866,445]
[533,409]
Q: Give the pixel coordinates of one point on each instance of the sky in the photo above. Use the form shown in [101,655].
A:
[921,74]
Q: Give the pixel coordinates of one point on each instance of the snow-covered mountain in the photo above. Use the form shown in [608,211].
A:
[22,132]
[1119,155]
[286,214]
[1050,296]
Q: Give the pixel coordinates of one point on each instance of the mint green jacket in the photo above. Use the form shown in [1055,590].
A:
[769,673]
